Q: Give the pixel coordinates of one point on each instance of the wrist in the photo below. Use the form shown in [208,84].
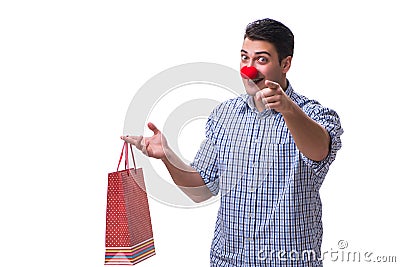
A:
[168,153]
[291,110]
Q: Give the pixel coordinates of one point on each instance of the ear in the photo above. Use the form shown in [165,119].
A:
[286,63]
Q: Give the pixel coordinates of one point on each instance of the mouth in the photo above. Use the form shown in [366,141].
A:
[257,80]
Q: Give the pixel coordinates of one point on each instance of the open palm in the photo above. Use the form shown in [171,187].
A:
[154,146]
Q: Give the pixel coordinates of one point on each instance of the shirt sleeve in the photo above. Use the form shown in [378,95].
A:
[205,161]
[329,119]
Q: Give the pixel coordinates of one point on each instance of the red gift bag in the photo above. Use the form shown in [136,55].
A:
[129,235]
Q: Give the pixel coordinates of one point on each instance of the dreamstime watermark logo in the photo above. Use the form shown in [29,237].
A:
[342,253]
[178,97]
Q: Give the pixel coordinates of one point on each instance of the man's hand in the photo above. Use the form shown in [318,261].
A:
[183,175]
[154,146]
[274,97]
[311,138]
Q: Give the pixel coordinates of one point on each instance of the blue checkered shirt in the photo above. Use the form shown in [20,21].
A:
[270,208]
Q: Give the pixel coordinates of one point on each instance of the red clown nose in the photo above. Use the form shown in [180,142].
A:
[248,72]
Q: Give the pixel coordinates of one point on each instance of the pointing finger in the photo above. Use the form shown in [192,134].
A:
[271,84]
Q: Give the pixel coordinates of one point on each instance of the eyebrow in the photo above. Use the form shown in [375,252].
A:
[257,53]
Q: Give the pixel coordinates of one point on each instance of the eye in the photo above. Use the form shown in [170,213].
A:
[244,57]
[262,60]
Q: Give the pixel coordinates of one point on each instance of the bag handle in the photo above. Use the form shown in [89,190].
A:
[133,157]
[125,149]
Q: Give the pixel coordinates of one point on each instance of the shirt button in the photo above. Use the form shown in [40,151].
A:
[249,239]
[252,189]
[250,215]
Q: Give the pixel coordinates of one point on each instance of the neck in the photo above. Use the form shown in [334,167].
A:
[284,84]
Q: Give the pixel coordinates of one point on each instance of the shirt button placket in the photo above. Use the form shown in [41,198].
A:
[255,146]
[252,189]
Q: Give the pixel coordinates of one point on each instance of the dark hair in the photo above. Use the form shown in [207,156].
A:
[273,32]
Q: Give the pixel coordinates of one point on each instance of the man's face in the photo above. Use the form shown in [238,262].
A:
[263,56]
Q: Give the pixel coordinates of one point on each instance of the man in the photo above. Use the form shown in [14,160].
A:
[267,152]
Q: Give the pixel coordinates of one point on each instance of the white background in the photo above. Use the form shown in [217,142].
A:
[69,69]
